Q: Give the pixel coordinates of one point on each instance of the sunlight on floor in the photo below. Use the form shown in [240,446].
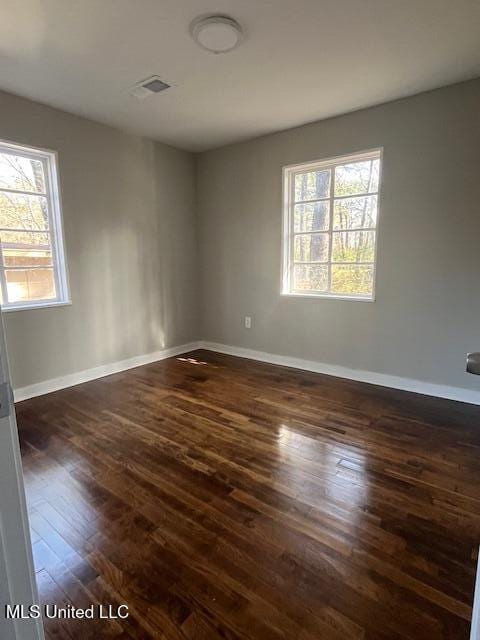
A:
[192,361]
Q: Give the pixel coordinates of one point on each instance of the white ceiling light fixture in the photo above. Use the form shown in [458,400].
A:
[217,34]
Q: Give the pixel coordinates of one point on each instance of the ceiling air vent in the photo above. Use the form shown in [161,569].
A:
[148,87]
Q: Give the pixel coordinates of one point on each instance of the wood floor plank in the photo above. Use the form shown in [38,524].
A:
[224,498]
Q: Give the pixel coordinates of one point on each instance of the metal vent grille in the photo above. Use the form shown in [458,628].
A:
[148,87]
[155,85]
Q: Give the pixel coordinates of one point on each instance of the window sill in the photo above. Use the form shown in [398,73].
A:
[327,296]
[39,305]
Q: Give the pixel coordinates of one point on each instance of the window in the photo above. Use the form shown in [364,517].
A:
[330,227]
[32,259]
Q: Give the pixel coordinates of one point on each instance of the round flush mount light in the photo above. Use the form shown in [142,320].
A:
[217,34]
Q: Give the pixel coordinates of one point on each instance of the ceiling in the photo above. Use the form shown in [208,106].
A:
[302,60]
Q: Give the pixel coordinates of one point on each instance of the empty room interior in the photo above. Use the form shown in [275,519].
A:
[240,297]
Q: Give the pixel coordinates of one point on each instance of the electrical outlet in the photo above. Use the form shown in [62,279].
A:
[248,322]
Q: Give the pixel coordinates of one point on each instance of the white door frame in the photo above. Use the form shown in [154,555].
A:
[17,574]
[475,630]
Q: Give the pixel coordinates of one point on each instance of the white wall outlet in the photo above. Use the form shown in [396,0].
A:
[248,322]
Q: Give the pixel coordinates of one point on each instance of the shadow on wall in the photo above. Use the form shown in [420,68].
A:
[178,274]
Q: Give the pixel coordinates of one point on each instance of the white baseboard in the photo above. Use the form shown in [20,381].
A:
[382,379]
[71,379]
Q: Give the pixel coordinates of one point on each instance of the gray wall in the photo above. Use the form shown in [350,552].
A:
[427,310]
[129,220]
[131,239]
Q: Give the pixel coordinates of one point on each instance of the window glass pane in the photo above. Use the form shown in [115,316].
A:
[352,279]
[310,277]
[311,217]
[311,248]
[26,249]
[357,177]
[312,185]
[30,284]
[353,246]
[25,240]
[18,211]
[26,257]
[354,213]
[17,172]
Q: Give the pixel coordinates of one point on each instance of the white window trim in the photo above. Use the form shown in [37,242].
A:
[49,159]
[288,172]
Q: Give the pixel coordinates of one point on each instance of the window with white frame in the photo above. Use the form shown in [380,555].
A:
[32,257]
[330,227]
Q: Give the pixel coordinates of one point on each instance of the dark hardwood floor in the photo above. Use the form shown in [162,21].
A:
[222,498]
